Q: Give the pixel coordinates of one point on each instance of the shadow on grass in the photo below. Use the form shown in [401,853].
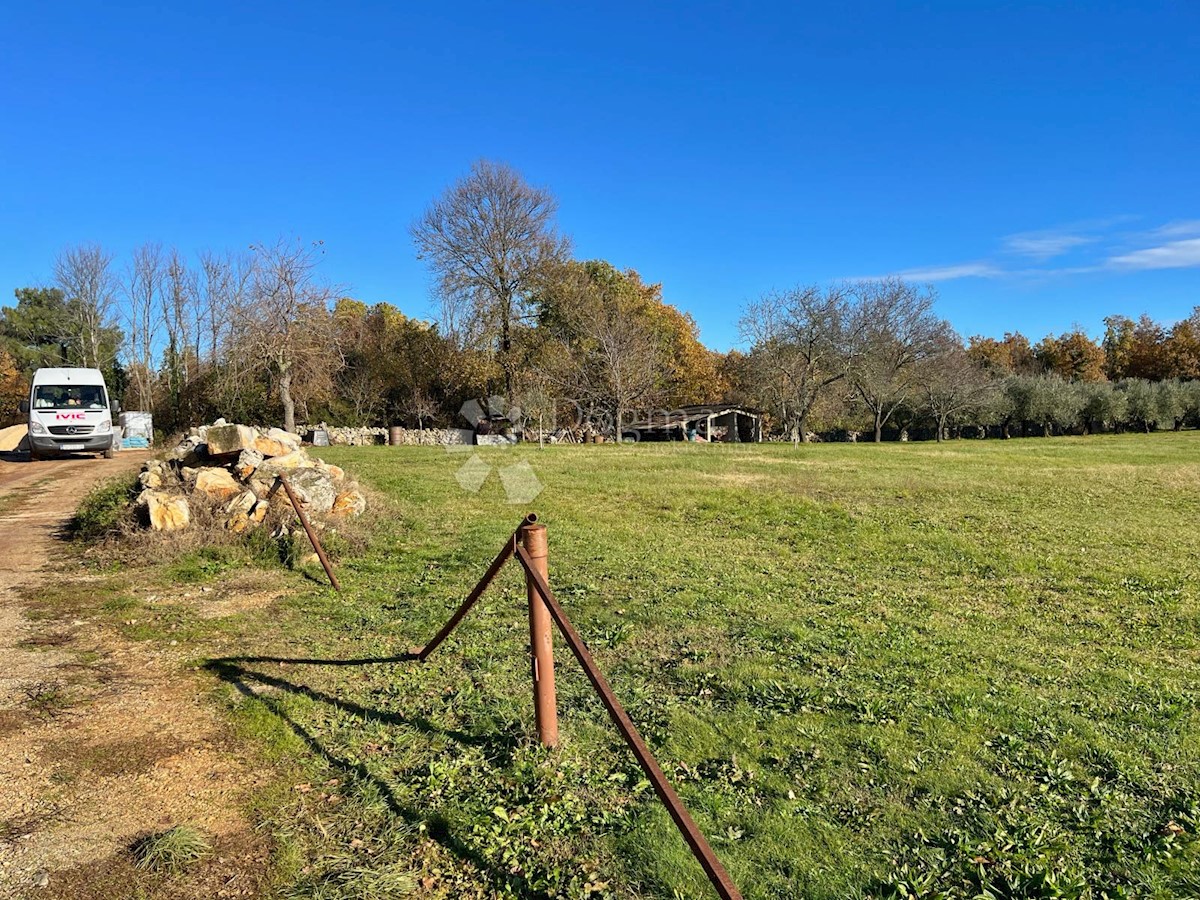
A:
[234,671]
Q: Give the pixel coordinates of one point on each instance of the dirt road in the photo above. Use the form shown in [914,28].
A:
[103,740]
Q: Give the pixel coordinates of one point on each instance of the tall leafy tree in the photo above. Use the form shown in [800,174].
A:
[1135,349]
[1072,355]
[37,331]
[1183,347]
[613,352]
[14,387]
[1011,355]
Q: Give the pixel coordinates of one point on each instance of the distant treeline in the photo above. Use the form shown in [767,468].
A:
[874,357]
[260,336]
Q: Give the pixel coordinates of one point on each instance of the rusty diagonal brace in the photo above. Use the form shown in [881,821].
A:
[488,577]
[696,841]
[312,535]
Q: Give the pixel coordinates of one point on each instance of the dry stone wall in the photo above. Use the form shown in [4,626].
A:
[353,436]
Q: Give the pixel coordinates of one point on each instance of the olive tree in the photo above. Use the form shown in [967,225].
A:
[1171,402]
[1102,406]
[1141,404]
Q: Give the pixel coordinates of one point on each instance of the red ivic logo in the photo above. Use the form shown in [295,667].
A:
[70,417]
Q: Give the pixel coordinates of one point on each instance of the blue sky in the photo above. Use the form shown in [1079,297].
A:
[1039,163]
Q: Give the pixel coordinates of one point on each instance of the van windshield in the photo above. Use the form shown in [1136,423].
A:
[69,396]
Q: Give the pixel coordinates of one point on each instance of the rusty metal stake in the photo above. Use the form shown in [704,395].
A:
[704,854]
[312,535]
[489,576]
[541,637]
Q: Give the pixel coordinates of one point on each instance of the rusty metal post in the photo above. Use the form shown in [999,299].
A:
[541,637]
[308,529]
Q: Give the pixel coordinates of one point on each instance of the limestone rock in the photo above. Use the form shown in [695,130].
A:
[314,489]
[292,441]
[291,460]
[151,479]
[247,462]
[270,448]
[217,484]
[349,503]
[261,483]
[229,440]
[334,472]
[242,503]
[166,512]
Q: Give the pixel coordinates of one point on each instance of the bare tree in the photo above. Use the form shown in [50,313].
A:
[143,285]
[222,286]
[799,345]
[286,330]
[420,406]
[85,276]
[535,402]
[616,362]
[953,384]
[489,239]
[179,301]
[894,329]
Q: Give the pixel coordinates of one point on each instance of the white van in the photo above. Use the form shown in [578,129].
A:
[69,412]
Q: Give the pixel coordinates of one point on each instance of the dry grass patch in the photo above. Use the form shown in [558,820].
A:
[119,757]
[234,866]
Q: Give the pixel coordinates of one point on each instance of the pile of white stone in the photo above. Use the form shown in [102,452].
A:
[231,470]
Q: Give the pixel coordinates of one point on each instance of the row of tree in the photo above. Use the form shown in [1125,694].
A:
[873,354]
[260,336]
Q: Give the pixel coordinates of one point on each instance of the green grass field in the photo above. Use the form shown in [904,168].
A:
[966,670]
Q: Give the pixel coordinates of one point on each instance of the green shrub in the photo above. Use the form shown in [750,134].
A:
[105,508]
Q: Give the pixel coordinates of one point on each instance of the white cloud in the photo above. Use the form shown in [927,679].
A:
[1175,245]
[1045,244]
[1172,255]
[949,273]
[1180,229]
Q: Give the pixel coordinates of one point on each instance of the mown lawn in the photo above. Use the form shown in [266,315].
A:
[871,671]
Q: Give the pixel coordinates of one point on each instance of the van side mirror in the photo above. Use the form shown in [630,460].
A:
[114,408]
[24,406]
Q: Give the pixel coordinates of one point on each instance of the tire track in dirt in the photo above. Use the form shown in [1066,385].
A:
[102,740]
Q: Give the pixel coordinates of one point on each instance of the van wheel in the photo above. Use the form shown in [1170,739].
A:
[33,455]
[109,453]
